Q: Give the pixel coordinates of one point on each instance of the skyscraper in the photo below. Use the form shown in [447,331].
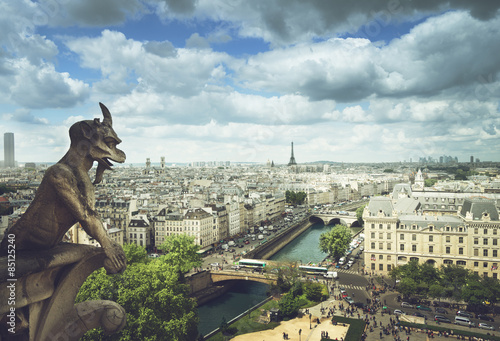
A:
[8,150]
[292,161]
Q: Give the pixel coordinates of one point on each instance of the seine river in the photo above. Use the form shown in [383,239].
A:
[245,295]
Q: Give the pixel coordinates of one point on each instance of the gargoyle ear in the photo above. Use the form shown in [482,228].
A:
[86,130]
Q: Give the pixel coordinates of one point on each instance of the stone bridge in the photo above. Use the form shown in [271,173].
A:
[242,275]
[333,219]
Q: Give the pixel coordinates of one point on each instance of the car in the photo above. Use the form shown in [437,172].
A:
[485,318]
[344,294]
[235,267]
[423,307]
[247,242]
[346,267]
[214,264]
[349,300]
[241,245]
[398,312]
[464,314]
[441,310]
[407,305]
[441,318]
[418,314]
[483,325]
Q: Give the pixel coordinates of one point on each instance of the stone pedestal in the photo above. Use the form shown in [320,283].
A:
[37,299]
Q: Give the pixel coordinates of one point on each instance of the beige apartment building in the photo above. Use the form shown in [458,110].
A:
[398,231]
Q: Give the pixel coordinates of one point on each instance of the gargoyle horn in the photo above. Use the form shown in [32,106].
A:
[107,115]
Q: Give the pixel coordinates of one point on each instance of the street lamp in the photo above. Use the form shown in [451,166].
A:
[310,315]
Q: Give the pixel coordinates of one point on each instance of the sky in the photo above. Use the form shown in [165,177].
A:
[220,80]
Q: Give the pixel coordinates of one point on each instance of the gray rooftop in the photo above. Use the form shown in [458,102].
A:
[479,207]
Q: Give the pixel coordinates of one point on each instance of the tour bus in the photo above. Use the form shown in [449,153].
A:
[313,270]
[252,263]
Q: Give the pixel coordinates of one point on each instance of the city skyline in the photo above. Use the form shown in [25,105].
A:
[364,81]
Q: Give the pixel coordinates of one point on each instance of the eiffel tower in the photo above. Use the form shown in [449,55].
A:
[292,161]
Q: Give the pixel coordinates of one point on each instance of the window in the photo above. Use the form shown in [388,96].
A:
[431,229]
[448,261]
[485,252]
[460,250]
[381,266]
[495,253]
[476,252]
[380,236]
[388,236]
[380,246]
[401,247]
[485,231]
[495,231]
[373,246]
[373,226]
[476,241]
[460,229]
[461,262]
[485,264]
[413,237]
[448,228]
[431,249]
[447,239]
[476,231]
[373,235]
[388,226]
[485,241]
[402,236]
[373,266]
[447,249]
[460,240]
[431,238]
[414,248]
[388,267]
[476,264]
[389,246]
[380,226]
[389,257]
[495,241]
[380,257]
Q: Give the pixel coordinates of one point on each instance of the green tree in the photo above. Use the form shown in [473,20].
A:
[151,292]
[407,286]
[429,182]
[157,305]
[359,214]
[135,254]
[295,198]
[336,241]
[181,252]
[289,305]
[313,291]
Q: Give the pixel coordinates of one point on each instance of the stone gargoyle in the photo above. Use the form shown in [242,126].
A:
[66,194]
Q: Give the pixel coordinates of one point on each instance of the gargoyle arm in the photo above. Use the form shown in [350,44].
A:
[64,183]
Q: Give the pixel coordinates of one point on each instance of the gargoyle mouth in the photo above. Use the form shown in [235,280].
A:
[106,163]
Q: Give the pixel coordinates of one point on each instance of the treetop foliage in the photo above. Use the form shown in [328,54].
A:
[450,281]
[336,241]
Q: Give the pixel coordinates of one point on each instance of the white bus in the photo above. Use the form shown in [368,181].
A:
[252,263]
[313,270]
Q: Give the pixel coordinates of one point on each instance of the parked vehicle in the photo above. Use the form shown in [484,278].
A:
[398,312]
[485,318]
[407,305]
[441,318]
[441,310]
[463,321]
[423,307]
[483,325]
[464,314]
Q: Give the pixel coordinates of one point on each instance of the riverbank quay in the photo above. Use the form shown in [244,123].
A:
[201,285]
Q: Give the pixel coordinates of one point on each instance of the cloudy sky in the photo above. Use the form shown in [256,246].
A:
[352,81]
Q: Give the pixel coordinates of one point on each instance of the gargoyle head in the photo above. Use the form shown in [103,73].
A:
[97,140]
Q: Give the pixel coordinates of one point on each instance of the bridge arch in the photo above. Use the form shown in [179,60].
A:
[241,275]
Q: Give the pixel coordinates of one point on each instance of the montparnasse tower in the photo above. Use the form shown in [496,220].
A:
[292,161]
